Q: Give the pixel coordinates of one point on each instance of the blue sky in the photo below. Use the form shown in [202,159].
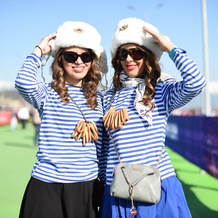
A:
[25,22]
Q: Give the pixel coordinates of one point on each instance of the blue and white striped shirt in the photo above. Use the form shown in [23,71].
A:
[139,142]
[61,159]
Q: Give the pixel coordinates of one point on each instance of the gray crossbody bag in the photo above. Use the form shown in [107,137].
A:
[136,182]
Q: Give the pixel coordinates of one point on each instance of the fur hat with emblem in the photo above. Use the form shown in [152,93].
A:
[80,34]
[130,30]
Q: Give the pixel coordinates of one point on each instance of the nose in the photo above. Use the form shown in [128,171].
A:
[129,58]
[78,60]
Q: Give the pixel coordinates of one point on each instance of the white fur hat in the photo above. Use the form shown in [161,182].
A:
[130,30]
[79,34]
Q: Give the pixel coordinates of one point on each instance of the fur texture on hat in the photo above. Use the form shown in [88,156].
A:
[79,34]
[130,30]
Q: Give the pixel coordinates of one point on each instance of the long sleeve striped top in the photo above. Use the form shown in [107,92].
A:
[139,142]
[61,159]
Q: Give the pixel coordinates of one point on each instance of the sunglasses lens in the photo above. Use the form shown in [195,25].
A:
[86,57]
[71,57]
[122,54]
[135,53]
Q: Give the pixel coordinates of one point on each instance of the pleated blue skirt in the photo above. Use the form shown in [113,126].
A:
[171,205]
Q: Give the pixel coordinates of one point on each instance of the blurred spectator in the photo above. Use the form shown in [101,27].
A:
[13,122]
[214,112]
[36,122]
[23,116]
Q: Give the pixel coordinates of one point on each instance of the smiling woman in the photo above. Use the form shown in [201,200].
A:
[70,109]
[147,98]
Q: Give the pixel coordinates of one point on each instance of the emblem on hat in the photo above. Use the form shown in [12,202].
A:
[78,30]
[124,27]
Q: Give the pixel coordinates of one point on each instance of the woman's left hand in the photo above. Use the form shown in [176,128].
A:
[164,43]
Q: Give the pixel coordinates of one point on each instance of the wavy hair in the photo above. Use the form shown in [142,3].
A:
[151,74]
[90,81]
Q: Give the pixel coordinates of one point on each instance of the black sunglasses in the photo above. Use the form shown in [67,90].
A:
[71,57]
[135,54]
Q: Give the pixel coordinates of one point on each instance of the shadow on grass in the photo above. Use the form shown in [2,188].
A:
[196,203]
[21,145]
[198,209]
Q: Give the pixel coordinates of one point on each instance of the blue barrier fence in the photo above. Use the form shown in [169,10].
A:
[196,139]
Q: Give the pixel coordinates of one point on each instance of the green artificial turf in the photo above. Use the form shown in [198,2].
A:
[17,156]
[201,189]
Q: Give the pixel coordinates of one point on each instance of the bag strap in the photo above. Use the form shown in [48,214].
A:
[119,158]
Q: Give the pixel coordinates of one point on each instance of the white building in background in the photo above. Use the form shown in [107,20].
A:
[6,85]
[213,87]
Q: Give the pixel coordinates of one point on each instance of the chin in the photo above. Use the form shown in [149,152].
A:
[132,74]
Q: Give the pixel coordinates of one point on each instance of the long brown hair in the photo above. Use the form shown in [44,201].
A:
[151,74]
[89,86]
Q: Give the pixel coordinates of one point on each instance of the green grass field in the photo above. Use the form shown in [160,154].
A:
[201,189]
[17,156]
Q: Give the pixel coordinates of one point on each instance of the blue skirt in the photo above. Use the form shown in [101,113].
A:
[171,205]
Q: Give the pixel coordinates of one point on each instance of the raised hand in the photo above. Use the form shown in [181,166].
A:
[44,47]
[164,43]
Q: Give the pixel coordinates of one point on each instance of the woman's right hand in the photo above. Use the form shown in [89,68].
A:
[44,47]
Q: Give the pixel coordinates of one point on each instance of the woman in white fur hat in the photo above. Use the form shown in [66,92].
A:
[62,183]
[136,113]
